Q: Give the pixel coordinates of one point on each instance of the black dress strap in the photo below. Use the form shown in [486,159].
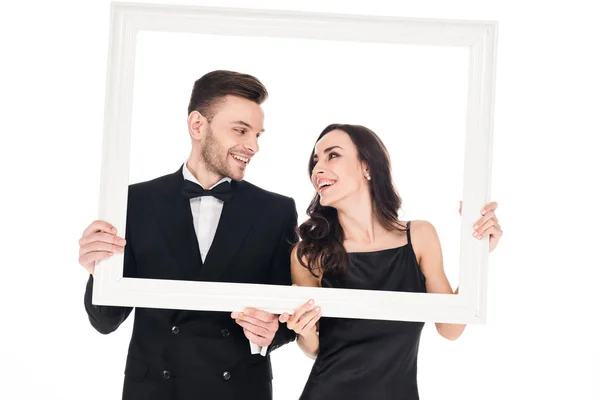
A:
[408,232]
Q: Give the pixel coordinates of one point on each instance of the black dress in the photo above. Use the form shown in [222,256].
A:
[370,359]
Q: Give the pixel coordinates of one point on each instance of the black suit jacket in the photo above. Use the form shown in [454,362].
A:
[178,354]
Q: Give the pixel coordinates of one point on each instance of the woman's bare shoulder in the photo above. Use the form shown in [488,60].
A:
[301,275]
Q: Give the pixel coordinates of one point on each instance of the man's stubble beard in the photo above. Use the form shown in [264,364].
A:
[210,153]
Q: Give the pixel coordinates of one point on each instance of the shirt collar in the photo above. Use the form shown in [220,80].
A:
[187,174]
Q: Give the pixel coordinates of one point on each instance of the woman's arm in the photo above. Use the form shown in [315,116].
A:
[305,320]
[428,250]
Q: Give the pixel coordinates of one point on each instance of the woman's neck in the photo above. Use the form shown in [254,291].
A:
[358,221]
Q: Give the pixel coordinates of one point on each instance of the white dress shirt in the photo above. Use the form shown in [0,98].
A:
[206,213]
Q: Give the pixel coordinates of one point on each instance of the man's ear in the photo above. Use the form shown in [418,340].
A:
[195,123]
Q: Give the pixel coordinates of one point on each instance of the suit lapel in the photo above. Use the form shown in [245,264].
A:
[234,225]
[175,218]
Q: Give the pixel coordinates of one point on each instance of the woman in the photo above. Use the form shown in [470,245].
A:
[353,239]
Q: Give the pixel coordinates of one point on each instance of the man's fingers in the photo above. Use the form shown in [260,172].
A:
[106,237]
[255,321]
[101,226]
[100,246]
[102,237]
[254,328]
[93,257]
[256,334]
[261,341]
[260,315]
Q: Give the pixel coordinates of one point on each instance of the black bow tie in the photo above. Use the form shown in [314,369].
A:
[222,191]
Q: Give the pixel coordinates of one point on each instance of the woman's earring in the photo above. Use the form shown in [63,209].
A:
[368,177]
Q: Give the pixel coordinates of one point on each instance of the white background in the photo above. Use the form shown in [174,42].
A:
[541,336]
[413,97]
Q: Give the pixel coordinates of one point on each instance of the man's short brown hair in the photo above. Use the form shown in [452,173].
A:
[211,88]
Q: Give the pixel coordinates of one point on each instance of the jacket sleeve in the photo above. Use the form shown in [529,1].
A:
[280,270]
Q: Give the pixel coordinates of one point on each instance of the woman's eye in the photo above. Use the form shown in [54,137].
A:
[331,155]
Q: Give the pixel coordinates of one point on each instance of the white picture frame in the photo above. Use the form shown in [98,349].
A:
[478,37]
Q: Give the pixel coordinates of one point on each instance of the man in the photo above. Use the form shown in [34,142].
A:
[175,229]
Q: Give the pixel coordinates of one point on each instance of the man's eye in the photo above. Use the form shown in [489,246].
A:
[242,131]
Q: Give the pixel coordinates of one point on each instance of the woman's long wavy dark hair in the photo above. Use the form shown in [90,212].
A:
[321,249]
